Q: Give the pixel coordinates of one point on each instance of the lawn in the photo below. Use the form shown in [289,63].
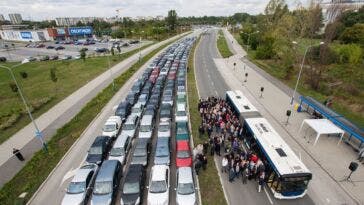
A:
[41,92]
[223,46]
[31,176]
[210,186]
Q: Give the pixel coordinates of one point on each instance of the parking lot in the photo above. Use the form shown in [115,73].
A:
[17,51]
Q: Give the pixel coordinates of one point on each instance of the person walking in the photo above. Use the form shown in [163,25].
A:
[198,165]
[231,174]
[245,175]
[205,147]
[224,164]
[204,162]
[261,181]
[18,155]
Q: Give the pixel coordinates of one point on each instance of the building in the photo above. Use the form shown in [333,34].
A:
[15,18]
[70,33]
[72,21]
[25,35]
[2,17]
[333,8]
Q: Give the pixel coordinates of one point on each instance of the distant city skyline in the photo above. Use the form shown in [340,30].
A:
[51,9]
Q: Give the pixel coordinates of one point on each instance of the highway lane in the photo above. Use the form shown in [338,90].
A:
[235,192]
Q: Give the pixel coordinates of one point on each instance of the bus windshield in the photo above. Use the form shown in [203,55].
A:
[293,185]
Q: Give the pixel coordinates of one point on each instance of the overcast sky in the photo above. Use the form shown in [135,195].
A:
[49,9]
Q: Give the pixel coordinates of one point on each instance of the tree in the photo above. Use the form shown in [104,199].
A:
[24,74]
[83,54]
[112,51]
[172,20]
[354,34]
[53,76]
[13,87]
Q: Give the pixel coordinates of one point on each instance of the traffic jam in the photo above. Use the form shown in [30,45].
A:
[144,153]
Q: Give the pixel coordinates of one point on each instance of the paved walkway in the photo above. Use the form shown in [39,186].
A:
[327,161]
[59,115]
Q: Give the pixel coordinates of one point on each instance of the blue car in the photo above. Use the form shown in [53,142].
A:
[162,152]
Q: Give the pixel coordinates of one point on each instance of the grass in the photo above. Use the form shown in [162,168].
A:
[222,45]
[41,92]
[210,186]
[31,176]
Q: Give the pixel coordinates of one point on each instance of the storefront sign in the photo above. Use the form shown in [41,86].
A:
[73,31]
[26,35]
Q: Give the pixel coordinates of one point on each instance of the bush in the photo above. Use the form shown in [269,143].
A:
[266,51]
[13,87]
[24,74]
[354,34]
[351,53]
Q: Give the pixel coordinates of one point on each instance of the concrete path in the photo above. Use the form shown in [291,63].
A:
[327,161]
[59,115]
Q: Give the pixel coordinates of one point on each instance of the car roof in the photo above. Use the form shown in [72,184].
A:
[183,145]
[164,123]
[134,172]
[185,175]
[162,141]
[147,119]
[99,140]
[130,119]
[106,172]
[121,140]
[158,172]
[81,175]
[141,143]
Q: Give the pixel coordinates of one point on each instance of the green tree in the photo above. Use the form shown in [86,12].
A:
[112,51]
[83,54]
[354,34]
[54,79]
[172,20]
[119,33]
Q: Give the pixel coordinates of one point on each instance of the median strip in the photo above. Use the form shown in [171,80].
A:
[223,46]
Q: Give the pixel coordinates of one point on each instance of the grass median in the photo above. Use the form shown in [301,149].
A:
[210,186]
[31,176]
[223,46]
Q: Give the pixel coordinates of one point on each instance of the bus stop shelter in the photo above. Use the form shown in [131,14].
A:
[322,126]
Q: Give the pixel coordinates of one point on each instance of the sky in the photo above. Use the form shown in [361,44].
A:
[50,9]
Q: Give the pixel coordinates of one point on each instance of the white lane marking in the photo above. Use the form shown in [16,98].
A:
[266,193]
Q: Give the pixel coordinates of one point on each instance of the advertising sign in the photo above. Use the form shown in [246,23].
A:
[61,31]
[26,35]
[76,31]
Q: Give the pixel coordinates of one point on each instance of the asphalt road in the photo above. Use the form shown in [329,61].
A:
[211,83]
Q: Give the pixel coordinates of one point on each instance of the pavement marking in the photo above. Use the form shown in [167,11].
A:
[266,193]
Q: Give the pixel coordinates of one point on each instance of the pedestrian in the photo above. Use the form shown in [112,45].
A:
[201,130]
[198,165]
[18,155]
[217,148]
[261,181]
[245,175]
[231,174]
[224,164]
[212,149]
[204,162]
[361,154]
[237,170]
[205,147]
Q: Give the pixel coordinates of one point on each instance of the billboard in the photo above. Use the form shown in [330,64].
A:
[61,31]
[76,31]
[26,35]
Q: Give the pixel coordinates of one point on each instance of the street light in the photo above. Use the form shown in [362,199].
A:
[38,133]
[300,72]
[249,34]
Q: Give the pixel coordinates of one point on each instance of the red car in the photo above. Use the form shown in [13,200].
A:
[183,158]
[171,75]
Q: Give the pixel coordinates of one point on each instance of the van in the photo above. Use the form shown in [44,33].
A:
[146,127]
[121,148]
[107,183]
[112,127]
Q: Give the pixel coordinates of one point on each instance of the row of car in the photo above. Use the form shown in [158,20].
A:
[134,123]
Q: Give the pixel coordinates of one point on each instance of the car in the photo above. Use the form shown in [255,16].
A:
[66,57]
[130,125]
[181,98]
[159,183]
[164,129]
[165,113]
[181,113]
[124,44]
[112,127]
[80,188]
[101,50]
[41,45]
[141,152]
[2,59]
[132,97]
[164,71]
[146,127]
[162,151]
[54,57]
[59,48]
[29,59]
[78,56]
[181,90]
[107,183]
[98,150]
[185,191]
[44,58]
[137,109]
[171,75]
[133,42]
[84,49]
[123,110]
[182,132]
[183,156]
[167,99]
[50,47]
[143,99]
[133,186]
[121,148]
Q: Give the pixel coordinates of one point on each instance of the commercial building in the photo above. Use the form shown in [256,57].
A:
[72,21]
[2,17]
[70,33]
[15,18]
[25,35]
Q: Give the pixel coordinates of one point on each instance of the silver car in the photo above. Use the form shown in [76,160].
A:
[162,151]
[141,152]
[185,187]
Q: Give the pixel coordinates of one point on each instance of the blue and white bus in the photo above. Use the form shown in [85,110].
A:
[286,175]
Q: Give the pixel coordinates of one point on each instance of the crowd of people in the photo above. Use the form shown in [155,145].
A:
[225,138]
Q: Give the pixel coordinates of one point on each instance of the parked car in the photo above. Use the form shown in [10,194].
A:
[84,49]
[158,189]
[121,148]
[182,131]
[143,99]
[55,57]
[181,98]
[130,125]
[99,150]
[50,47]
[141,152]
[167,99]
[164,129]
[66,57]
[137,109]
[80,188]
[181,113]
[162,151]
[132,189]
[133,42]
[146,127]
[59,48]
[41,45]
[101,50]
[185,191]
[165,113]
[123,110]
[183,156]
[2,59]
[132,97]
[44,58]
[107,183]
[112,127]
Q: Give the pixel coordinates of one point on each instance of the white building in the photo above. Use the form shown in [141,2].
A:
[71,21]
[25,35]
[2,17]
[15,18]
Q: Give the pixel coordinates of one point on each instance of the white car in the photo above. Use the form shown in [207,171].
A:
[181,113]
[164,129]
[121,148]
[130,125]
[112,126]
[181,90]
[146,127]
[158,189]
[185,191]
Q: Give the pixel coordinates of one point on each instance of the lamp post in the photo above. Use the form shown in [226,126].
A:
[38,133]
[249,34]
[301,68]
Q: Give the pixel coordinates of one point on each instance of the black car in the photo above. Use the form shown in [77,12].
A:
[133,42]
[132,189]
[123,110]
[50,47]
[101,50]
[132,97]
[98,150]
[2,59]
[59,48]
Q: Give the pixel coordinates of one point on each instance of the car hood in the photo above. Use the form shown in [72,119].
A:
[93,158]
[129,199]
[182,137]
[70,199]
[110,134]
[145,134]
[158,198]
[139,160]
[104,199]
[181,119]
[186,199]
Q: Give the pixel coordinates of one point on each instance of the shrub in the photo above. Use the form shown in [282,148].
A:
[13,87]
[351,53]
[354,34]
[24,74]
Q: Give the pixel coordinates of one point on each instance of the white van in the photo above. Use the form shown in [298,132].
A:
[146,127]
[181,113]
[112,126]
[121,148]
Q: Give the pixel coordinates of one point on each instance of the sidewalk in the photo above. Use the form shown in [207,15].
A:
[327,161]
[57,116]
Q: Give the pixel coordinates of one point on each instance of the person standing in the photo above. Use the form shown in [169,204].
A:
[18,155]
[261,181]
[224,164]
[204,162]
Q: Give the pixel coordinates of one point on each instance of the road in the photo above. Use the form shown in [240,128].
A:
[210,82]
[56,183]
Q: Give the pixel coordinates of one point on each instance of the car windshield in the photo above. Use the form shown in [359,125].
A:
[185,188]
[181,113]
[103,187]
[183,154]
[158,187]
[120,111]
[115,152]
[76,187]
[167,98]
[95,150]
[128,127]
[109,128]
[131,188]
[145,128]
[162,152]
[140,152]
[163,128]
[181,130]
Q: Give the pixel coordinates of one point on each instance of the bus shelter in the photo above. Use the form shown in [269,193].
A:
[322,126]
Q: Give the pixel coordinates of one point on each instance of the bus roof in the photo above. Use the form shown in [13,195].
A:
[281,156]
[242,104]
